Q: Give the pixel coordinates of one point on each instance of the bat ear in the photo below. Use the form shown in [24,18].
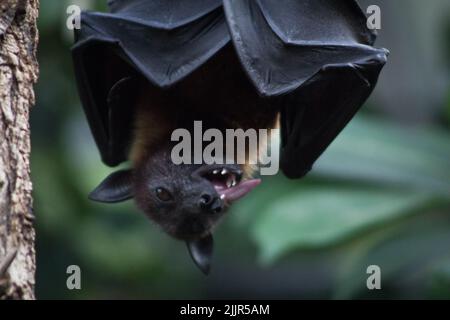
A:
[117,187]
[201,252]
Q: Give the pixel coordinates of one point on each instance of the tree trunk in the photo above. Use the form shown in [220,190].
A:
[18,73]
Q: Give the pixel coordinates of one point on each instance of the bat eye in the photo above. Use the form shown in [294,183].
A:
[163,194]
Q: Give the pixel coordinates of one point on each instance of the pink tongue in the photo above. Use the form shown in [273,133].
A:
[240,190]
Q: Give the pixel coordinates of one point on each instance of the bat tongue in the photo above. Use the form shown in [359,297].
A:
[240,190]
[201,251]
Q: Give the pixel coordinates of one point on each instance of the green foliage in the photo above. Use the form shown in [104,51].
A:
[316,217]
[378,151]
[363,204]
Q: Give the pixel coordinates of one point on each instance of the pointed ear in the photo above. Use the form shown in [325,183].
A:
[117,187]
[201,252]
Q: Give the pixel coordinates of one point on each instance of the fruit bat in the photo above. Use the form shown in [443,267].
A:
[150,66]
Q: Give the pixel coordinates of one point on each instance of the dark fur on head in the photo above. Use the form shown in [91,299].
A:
[186,201]
[179,198]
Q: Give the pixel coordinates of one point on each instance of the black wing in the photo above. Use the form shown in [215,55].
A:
[163,41]
[316,55]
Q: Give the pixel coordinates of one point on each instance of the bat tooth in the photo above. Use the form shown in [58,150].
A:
[231,181]
[224,172]
[216,171]
[222,197]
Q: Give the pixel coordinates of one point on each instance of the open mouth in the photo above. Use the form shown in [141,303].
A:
[228,182]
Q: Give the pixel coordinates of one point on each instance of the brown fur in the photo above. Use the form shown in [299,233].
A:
[219,94]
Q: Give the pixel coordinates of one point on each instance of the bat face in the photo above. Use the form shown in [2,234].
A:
[186,200]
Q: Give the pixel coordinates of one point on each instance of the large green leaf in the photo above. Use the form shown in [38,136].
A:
[373,173]
[411,254]
[374,150]
[318,217]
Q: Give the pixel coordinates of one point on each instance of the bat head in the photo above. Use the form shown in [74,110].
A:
[186,201]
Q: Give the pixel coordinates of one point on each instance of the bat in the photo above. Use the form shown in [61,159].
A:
[148,67]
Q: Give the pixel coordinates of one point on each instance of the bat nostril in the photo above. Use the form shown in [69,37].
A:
[205,200]
[216,206]
[217,209]
[210,204]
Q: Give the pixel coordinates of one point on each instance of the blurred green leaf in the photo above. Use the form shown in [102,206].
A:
[248,210]
[439,286]
[126,254]
[315,213]
[379,151]
[410,254]
[323,216]
[447,109]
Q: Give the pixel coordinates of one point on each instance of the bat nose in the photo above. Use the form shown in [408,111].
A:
[205,201]
[210,203]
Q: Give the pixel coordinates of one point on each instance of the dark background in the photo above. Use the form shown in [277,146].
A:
[379,195]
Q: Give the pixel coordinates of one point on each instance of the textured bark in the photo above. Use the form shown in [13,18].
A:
[18,73]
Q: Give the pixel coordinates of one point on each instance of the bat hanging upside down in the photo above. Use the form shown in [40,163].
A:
[188,200]
[150,67]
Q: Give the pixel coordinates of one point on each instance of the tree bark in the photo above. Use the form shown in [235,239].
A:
[18,74]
